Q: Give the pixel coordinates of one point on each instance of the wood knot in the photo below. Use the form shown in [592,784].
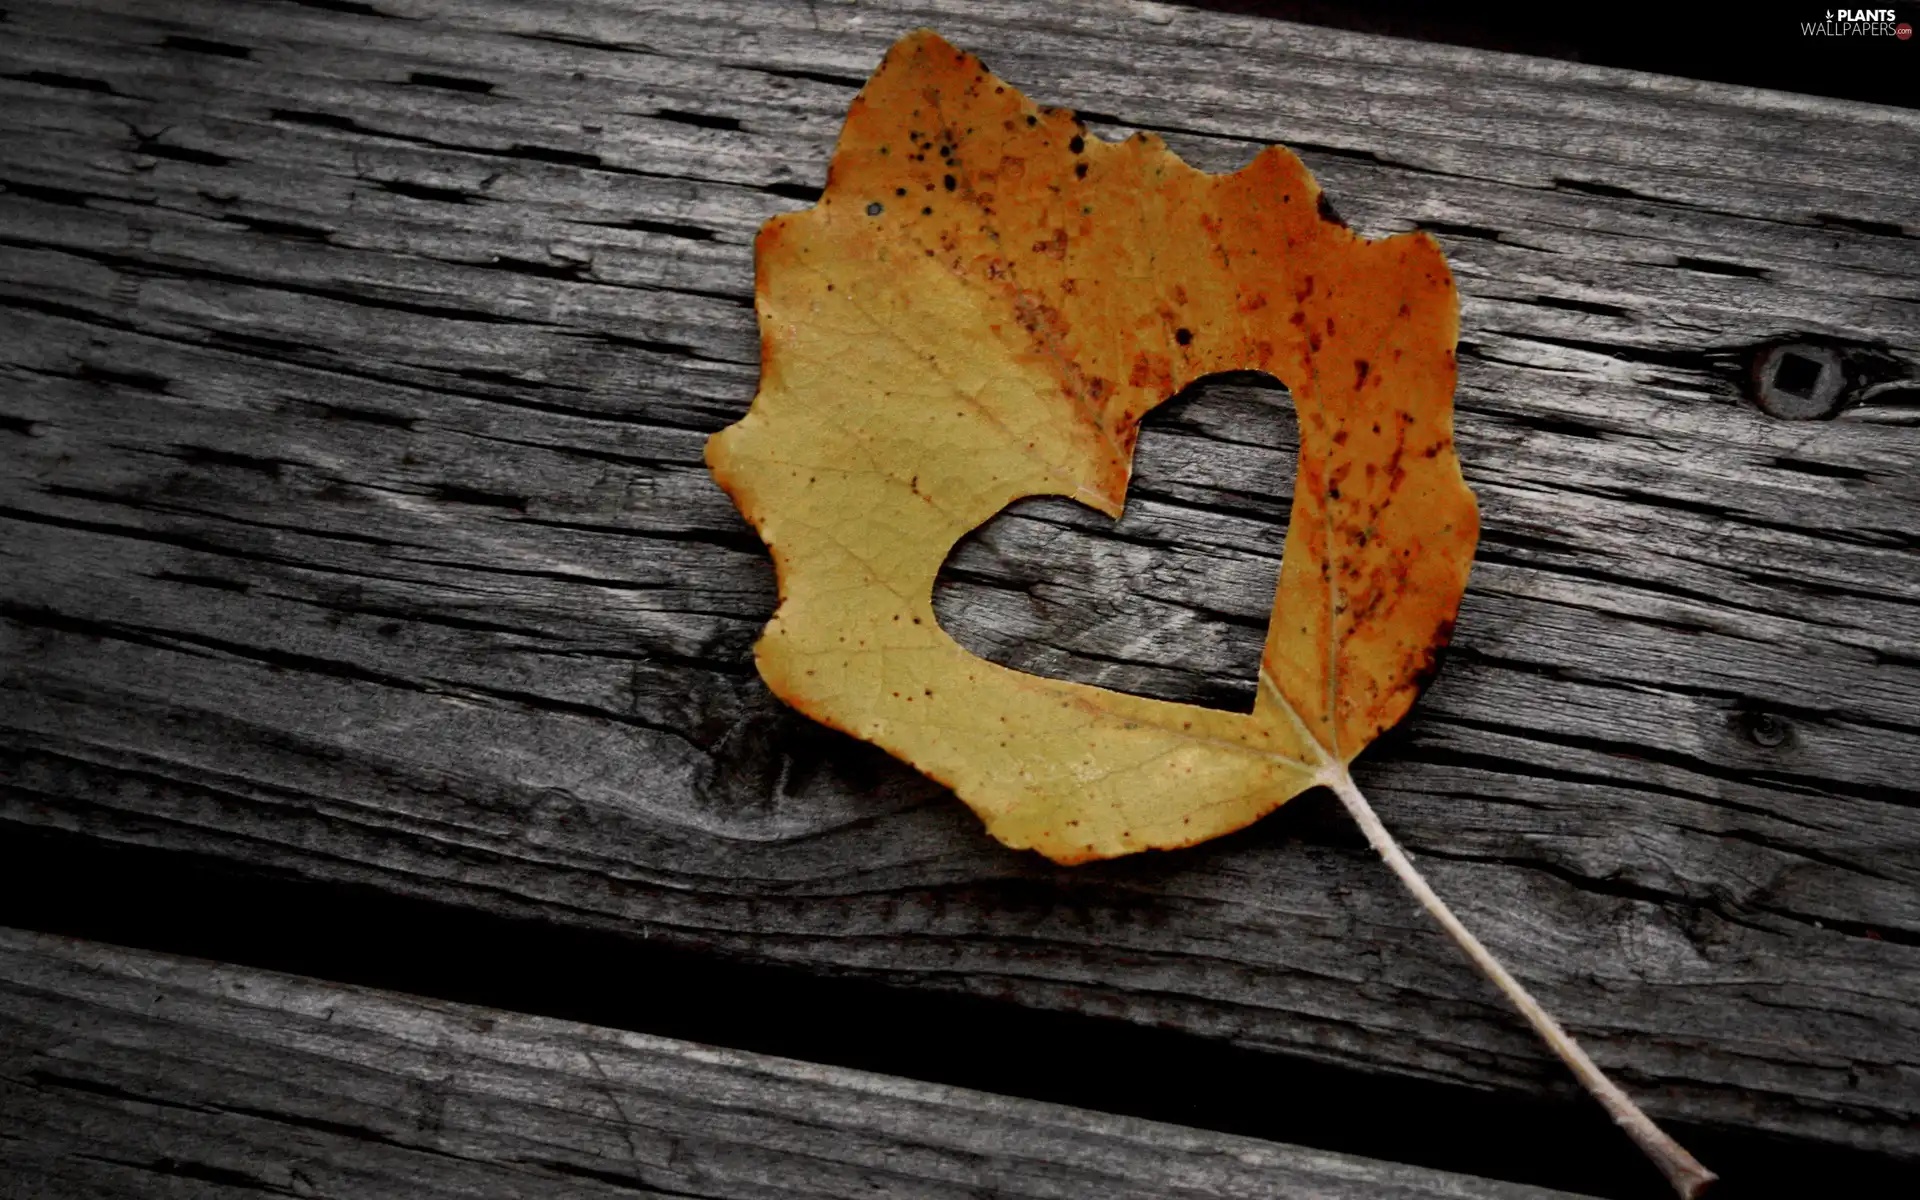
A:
[1764,729]
[1799,381]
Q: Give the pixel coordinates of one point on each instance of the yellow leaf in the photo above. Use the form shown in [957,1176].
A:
[982,307]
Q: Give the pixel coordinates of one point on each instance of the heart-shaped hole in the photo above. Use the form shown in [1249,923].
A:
[1172,601]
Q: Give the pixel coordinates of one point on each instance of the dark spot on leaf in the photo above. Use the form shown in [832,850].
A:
[951,182]
[1183,336]
[1078,144]
[1429,665]
[874,209]
[1080,171]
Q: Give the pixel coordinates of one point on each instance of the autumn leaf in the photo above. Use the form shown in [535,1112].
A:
[983,306]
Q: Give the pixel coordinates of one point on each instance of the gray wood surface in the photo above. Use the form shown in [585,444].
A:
[131,1074]
[358,360]
[127,1074]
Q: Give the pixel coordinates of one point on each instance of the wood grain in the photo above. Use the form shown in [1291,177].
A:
[130,1074]
[358,362]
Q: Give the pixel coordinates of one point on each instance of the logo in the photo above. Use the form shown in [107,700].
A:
[1858,22]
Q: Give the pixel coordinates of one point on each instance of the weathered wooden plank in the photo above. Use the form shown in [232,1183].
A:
[354,523]
[131,1074]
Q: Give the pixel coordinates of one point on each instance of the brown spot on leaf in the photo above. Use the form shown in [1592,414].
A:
[1426,662]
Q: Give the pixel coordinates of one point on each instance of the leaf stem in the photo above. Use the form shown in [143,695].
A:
[1682,1170]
